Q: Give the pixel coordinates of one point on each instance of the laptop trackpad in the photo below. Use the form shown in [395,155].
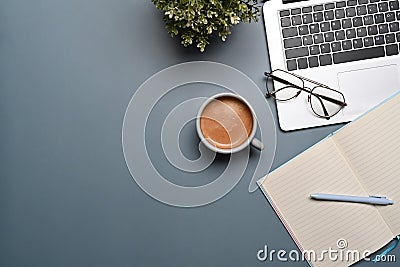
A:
[365,88]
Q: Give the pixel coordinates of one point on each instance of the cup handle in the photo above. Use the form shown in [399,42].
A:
[257,144]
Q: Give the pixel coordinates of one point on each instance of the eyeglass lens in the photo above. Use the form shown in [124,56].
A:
[321,106]
[285,85]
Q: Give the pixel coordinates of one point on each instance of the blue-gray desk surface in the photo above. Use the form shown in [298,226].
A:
[67,72]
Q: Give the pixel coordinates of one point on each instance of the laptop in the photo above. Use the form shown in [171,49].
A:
[351,46]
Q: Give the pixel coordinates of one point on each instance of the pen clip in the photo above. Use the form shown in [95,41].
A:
[378,196]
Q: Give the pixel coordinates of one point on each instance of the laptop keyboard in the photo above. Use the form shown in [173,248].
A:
[340,32]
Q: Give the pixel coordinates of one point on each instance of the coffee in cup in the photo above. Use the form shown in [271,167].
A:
[226,123]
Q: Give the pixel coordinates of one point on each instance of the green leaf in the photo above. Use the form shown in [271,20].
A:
[196,20]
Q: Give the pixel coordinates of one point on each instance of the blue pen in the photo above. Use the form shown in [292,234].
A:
[376,200]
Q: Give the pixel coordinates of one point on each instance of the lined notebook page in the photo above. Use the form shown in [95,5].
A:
[372,147]
[317,225]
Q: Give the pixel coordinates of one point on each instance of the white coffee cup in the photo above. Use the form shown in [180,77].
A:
[251,140]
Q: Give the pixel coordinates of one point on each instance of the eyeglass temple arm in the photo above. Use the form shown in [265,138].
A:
[270,75]
[309,80]
[337,102]
[327,98]
[332,100]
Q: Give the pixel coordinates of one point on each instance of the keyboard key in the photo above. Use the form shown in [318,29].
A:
[394,5]
[335,25]
[295,11]
[318,8]
[292,42]
[398,15]
[351,2]
[336,46]
[325,26]
[346,45]
[383,28]
[329,37]
[398,37]
[390,38]
[361,54]
[350,33]
[318,17]
[291,64]
[389,16]
[307,40]
[394,27]
[330,6]
[363,2]
[285,22]
[302,63]
[368,20]
[284,13]
[379,18]
[325,60]
[296,52]
[372,30]
[296,20]
[357,22]
[307,9]
[303,30]
[372,8]
[325,48]
[361,31]
[341,4]
[361,10]
[314,28]
[357,43]
[318,38]
[383,6]
[329,15]
[307,18]
[368,41]
[374,1]
[289,32]
[339,35]
[314,50]
[346,23]
[339,13]
[392,50]
[379,39]
[350,11]
[313,62]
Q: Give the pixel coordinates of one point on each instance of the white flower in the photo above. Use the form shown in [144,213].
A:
[235,19]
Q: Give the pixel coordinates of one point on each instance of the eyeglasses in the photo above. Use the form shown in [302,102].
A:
[325,102]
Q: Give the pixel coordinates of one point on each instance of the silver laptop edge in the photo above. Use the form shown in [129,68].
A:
[364,83]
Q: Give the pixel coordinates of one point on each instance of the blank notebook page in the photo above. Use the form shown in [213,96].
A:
[317,225]
[371,144]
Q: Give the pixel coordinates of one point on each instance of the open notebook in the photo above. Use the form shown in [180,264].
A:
[362,159]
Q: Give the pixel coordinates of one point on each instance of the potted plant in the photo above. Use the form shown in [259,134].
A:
[196,20]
